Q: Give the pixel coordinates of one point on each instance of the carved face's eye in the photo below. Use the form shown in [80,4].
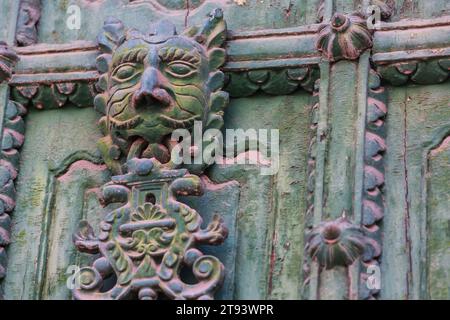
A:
[180,69]
[124,72]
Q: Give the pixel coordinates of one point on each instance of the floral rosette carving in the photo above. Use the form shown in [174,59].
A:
[336,243]
[344,37]
[145,244]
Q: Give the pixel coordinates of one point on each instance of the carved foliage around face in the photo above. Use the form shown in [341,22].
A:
[8,58]
[157,81]
[345,37]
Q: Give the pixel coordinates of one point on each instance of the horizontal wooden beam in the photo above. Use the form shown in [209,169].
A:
[256,50]
[418,39]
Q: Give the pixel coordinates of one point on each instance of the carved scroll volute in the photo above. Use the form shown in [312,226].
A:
[152,84]
[344,37]
[146,242]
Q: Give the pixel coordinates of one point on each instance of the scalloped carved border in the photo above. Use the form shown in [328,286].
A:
[373,193]
[274,82]
[13,136]
[55,95]
[432,71]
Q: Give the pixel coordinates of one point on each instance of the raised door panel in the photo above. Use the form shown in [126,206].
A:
[59,166]
[415,225]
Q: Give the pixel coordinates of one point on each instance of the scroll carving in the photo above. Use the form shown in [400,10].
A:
[344,37]
[146,242]
[152,84]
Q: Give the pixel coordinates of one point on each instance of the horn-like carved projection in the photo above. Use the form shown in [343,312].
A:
[8,58]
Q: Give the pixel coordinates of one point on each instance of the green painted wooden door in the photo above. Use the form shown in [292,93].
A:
[353,96]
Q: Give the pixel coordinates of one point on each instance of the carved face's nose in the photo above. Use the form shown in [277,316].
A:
[151,92]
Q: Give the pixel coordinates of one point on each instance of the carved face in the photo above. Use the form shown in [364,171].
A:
[157,87]
[155,82]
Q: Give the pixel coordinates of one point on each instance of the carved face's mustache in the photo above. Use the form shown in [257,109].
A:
[178,124]
[126,124]
[165,121]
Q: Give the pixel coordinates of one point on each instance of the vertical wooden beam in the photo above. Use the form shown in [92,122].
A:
[341,145]
[322,128]
[361,97]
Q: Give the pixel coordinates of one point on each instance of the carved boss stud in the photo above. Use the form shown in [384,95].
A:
[345,37]
[336,243]
[155,82]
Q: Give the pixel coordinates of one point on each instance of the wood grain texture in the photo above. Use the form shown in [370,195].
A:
[268,259]
[53,137]
[416,124]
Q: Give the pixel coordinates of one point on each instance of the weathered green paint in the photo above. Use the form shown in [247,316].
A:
[252,15]
[417,123]
[61,170]
[270,235]
[438,237]
[411,9]
[54,138]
